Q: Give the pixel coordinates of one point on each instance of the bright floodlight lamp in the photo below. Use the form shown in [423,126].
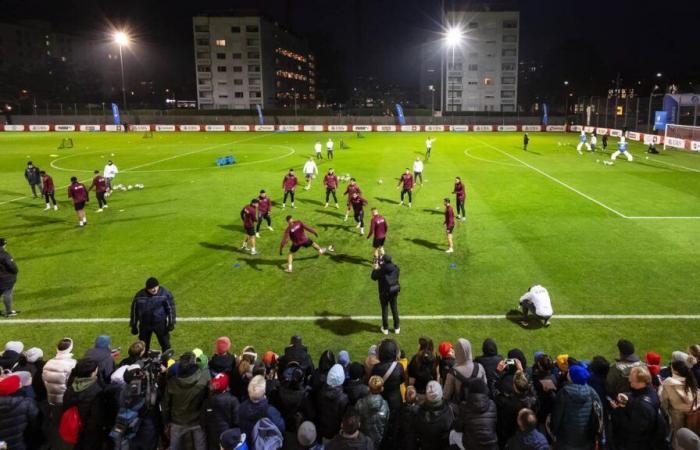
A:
[453,37]
[659,74]
[121,38]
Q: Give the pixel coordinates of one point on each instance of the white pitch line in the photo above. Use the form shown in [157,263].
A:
[674,165]
[336,318]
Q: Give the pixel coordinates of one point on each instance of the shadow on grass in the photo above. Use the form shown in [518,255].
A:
[350,259]
[57,292]
[49,255]
[139,218]
[232,227]
[529,151]
[313,202]
[386,200]
[334,213]
[36,221]
[344,326]
[515,316]
[433,211]
[337,226]
[424,243]
[255,262]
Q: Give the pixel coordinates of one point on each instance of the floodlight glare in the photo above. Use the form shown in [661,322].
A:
[453,36]
[121,38]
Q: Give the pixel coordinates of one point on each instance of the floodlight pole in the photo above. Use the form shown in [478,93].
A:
[121,63]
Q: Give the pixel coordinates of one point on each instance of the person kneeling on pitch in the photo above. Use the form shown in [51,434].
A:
[536,301]
[387,274]
[153,311]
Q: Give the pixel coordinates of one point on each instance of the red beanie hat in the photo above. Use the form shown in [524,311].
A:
[219,383]
[445,348]
[223,345]
[653,358]
[9,385]
[270,358]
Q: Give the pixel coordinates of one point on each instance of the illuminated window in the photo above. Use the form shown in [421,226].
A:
[488,81]
[221,42]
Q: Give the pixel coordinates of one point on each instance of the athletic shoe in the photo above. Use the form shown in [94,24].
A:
[288,270]
[47,207]
[524,323]
[362,231]
[397,330]
[326,205]
[459,217]
[546,323]
[253,252]
[244,247]
[357,226]
[330,248]
[257,235]
[270,228]
[336,206]
[346,219]
[384,330]
[401,204]
[80,224]
[55,207]
[409,204]
[99,210]
[283,206]
[10,314]
[294,206]
[322,250]
[106,206]
[450,250]
[464,219]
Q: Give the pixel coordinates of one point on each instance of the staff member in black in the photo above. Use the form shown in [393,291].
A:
[153,311]
[8,278]
[31,173]
[386,274]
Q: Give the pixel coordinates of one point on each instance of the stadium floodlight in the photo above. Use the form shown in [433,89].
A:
[122,39]
[453,36]
[659,75]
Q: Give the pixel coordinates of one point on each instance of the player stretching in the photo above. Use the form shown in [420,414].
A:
[329,149]
[358,203]
[289,184]
[582,143]
[378,227]
[418,170]
[310,171]
[100,185]
[264,207]
[351,189]
[406,181]
[621,148]
[449,225]
[79,194]
[460,192]
[317,150]
[295,233]
[428,147]
[248,216]
[48,190]
[330,181]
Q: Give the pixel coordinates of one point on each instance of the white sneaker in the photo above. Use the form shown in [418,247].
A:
[55,207]
[409,204]
[384,330]
[336,206]
[244,247]
[270,228]
[106,206]
[346,219]
[362,231]
[357,226]
[397,330]
[257,235]
[288,270]
[401,204]
[283,206]
[450,250]
[47,207]
[253,252]
[294,206]
[99,210]
[326,205]
[81,224]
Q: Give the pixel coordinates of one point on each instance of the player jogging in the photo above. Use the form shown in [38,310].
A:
[460,192]
[582,143]
[264,207]
[310,171]
[526,140]
[48,190]
[378,228]
[358,203]
[621,149]
[594,142]
[329,149]
[428,147]
[418,170]
[295,232]
[289,184]
[100,185]
[79,194]
[449,225]
[406,184]
[110,171]
[249,217]
[317,150]
[351,189]
[330,181]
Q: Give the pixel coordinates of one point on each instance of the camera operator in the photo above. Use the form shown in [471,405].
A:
[386,274]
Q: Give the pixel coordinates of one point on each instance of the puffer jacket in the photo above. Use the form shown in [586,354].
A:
[184,398]
[250,412]
[56,373]
[432,423]
[508,404]
[635,424]
[294,404]
[8,270]
[489,361]
[220,414]
[89,396]
[374,415]
[17,413]
[477,421]
[675,401]
[617,380]
[331,404]
[465,366]
[355,390]
[530,440]
[571,417]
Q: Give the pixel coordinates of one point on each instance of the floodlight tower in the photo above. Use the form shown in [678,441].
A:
[453,37]
[122,40]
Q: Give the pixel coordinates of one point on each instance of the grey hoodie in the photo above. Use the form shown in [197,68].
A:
[465,366]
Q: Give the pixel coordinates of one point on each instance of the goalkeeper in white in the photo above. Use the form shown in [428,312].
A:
[310,171]
[582,142]
[536,300]
[621,149]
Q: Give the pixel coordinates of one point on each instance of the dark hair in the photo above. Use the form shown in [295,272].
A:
[73,179]
[286,219]
[625,347]
[97,171]
[543,365]
[42,172]
[691,384]
[446,200]
[262,191]
[255,200]
[599,366]
[352,179]
[326,361]
[351,422]
[291,170]
[64,344]
[85,367]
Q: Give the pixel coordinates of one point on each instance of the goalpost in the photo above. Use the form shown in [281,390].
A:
[685,137]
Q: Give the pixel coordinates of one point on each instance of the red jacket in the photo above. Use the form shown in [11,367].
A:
[289,182]
[330,181]
[78,192]
[47,187]
[407,181]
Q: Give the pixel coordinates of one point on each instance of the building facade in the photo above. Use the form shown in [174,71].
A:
[245,61]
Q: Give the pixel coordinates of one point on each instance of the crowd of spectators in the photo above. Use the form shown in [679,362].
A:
[429,399]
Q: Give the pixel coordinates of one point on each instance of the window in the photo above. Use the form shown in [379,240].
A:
[489,97]
[508,108]
[473,55]
[238,68]
[202,55]
[455,94]
[454,80]
[221,56]
[201,28]
[511,23]
[235,29]
[510,38]
[454,66]
[508,66]
[223,96]
[472,83]
[237,81]
[254,55]
[252,42]
[507,80]
[488,81]
[507,94]
[201,81]
[254,81]
[221,42]
[251,28]
[221,68]
[202,41]
[238,94]
[254,94]
[253,68]
[473,25]
[473,67]
[203,94]
[202,68]
[236,55]
[508,52]
[221,83]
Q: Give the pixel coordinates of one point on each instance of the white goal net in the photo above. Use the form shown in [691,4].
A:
[682,136]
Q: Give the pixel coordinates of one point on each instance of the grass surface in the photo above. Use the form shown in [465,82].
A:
[534,217]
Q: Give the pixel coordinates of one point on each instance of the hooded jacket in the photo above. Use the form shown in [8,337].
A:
[355,390]
[250,412]
[508,404]
[102,355]
[331,404]
[374,416]
[571,418]
[220,414]
[88,395]
[489,361]
[56,373]
[184,397]
[477,421]
[432,423]
[8,270]
[635,424]
[617,380]
[298,353]
[17,414]
[465,366]
[675,401]
[387,275]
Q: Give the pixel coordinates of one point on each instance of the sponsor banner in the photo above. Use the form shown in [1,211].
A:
[90,128]
[214,127]
[531,128]
[165,127]
[313,128]
[39,128]
[113,128]
[386,127]
[340,128]
[556,128]
[601,131]
[190,127]
[695,146]
[487,127]
[140,127]
[434,128]
[361,128]
[264,128]
[239,128]
[459,128]
[576,128]
[507,128]
[288,127]
[64,127]
[634,135]
[410,127]
[652,139]
[589,129]
[674,142]
[14,127]
[616,133]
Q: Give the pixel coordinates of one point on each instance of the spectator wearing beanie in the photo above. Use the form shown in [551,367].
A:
[544,383]
[55,374]
[318,379]
[634,413]
[653,361]
[618,377]
[571,418]
[685,439]
[694,351]
[475,427]
[231,440]
[33,362]
[679,393]
[101,353]
[374,412]
[256,407]
[489,360]
[433,420]
[220,410]
[307,438]
[392,373]
[354,386]
[344,360]
[18,413]
[87,393]
[599,369]
[510,401]
[527,436]
[222,361]
[422,368]
[350,436]
[446,361]
[297,353]
[183,403]
[331,403]
[466,367]
[269,370]
[9,360]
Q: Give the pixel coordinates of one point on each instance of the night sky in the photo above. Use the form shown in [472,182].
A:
[381,37]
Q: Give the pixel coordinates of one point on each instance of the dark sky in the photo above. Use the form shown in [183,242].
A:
[382,37]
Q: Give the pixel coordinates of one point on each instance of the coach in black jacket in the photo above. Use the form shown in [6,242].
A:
[386,273]
[31,174]
[8,277]
[153,311]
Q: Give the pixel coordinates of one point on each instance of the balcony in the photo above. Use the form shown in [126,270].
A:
[204,75]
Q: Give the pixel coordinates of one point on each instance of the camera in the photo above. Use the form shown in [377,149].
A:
[509,366]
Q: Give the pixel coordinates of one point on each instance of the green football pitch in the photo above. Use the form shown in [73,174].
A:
[617,246]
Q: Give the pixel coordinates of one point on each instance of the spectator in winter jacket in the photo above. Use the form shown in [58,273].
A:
[685,439]
[32,361]
[371,360]
[331,403]
[307,439]
[527,437]
[679,393]
[10,357]
[220,410]
[466,367]
[374,412]
[392,373]
[257,407]
[694,351]
[354,387]
[422,368]
[634,413]
[101,353]
[18,413]
[56,373]
[618,377]
[510,401]
[33,176]
[183,403]
[653,361]
[350,436]
[489,361]
[297,352]
[292,398]
[433,420]
[576,403]
[446,360]
[545,384]
[318,378]
[475,427]
[86,392]
[222,361]
[599,369]
[8,278]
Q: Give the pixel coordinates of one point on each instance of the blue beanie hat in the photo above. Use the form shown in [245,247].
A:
[336,376]
[103,341]
[579,374]
[343,358]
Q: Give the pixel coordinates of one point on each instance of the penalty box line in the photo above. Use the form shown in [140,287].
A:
[341,318]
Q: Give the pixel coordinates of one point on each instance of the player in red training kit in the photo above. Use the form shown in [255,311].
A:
[295,233]
[264,207]
[100,185]
[460,192]
[330,181]
[249,217]
[407,181]
[79,194]
[289,185]
[351,189]
[378,227]
[449,225]
[48,190]
[358,210]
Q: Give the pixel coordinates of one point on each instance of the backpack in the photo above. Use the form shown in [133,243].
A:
[662,433]
[266,435]
[71,425]
[692,418]
[462,394]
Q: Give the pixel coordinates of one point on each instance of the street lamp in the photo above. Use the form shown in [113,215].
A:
[453,38]
[431,88]
[122,39]
[566,104]
[294,94]
[654,88]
